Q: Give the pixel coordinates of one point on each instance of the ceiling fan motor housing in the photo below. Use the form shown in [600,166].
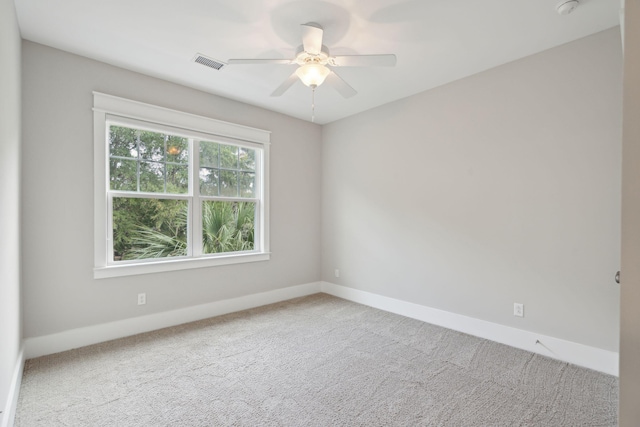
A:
[304,57]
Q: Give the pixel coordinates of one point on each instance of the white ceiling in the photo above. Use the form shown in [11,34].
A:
[436,41]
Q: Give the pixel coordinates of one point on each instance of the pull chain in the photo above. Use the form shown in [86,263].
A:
[313,104]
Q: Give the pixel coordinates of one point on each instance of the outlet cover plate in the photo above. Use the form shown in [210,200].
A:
[518,309]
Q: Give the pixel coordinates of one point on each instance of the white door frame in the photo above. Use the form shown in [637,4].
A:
[629,415]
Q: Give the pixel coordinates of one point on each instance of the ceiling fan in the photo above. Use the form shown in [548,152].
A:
[313,60]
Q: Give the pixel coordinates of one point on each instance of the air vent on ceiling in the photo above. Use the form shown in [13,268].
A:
[208,62]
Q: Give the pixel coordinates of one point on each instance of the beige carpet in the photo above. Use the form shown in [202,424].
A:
[313,361]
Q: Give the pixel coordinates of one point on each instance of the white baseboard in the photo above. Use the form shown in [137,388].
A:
[75,338]
[567,351]
[9,411]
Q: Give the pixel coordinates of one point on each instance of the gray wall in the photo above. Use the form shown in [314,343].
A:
[57,230]
[630,284]
[502,187]
[10,313]
[498,188]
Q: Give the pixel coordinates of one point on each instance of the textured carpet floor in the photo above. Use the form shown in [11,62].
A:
[313,361]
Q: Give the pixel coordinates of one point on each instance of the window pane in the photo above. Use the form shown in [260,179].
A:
[228,156]
[247,184]
[178,179]
[227,226]
[228,183]
[123,174]
[152,177]
[149,228]
[209,182]
[209,154]
[247,159]
[177,149]
[123,142]
[151,145]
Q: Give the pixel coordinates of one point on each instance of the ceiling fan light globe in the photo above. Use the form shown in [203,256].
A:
[312,75]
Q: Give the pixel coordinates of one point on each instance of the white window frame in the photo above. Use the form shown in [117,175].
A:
[108,108]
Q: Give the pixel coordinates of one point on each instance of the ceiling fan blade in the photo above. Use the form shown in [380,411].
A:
[340,85]
[388,60]
[259,61]
[285,85]
[312,38]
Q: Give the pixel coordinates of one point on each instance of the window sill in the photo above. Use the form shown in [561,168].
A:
[176,265]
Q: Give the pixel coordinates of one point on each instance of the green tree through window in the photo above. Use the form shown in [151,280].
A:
[153,202]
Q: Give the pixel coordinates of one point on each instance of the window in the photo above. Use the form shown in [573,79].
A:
[176,191]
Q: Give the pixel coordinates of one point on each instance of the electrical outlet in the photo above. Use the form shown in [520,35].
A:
[337,272]
[518,309]
[142,299]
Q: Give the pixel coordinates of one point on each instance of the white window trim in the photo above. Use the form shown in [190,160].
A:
[104,105]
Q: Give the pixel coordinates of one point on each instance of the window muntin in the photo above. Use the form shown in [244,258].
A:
[227,170]
[145,161]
